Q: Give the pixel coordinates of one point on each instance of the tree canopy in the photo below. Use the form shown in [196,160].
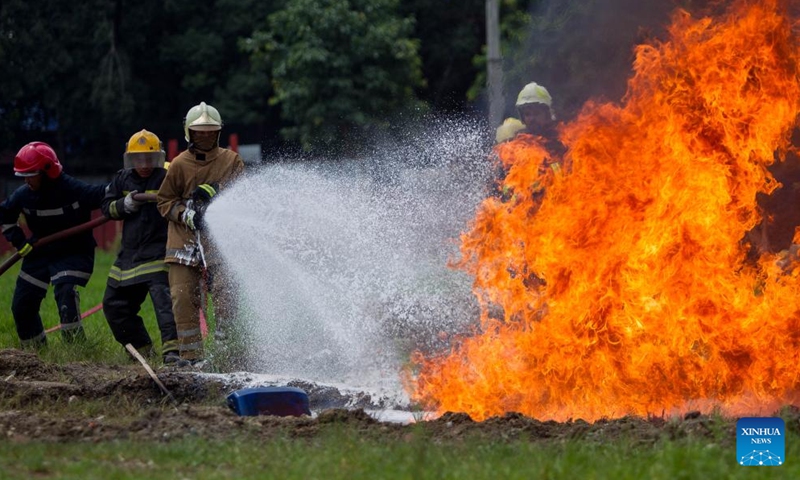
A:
[86,75]
[338,67]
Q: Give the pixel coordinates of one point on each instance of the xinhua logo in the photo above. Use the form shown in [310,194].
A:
[760,442]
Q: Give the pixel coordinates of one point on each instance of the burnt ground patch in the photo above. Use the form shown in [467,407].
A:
[97,402]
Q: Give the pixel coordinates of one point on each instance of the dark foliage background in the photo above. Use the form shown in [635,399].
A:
[309,75]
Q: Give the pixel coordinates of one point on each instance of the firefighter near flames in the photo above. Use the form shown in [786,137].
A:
[650,304]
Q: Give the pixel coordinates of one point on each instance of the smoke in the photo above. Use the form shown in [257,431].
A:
[584,49]
[343,264]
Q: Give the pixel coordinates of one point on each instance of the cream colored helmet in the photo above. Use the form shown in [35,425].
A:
[202,117]
[535,93]
[508,130]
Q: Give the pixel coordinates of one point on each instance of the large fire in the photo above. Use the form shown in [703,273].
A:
[650,302]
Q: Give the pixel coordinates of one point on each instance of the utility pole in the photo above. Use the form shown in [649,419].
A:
[494,63]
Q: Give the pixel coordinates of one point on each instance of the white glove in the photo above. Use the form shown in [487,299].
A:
[131,205]
[187,217]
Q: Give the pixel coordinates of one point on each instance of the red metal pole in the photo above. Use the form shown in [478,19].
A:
[172,149]
[233,142]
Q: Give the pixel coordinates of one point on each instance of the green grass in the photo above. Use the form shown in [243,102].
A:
[101,345]
[342,453]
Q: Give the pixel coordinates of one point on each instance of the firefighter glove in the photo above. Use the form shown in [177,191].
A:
[130,204]
[25,249]
[205,192]
[188,218]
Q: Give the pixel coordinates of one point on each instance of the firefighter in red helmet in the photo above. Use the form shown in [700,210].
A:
[50,201]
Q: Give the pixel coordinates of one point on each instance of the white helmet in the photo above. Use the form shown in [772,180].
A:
[535,93]
[202,117]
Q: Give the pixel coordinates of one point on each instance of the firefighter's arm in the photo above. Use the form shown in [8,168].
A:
[9,215]
[92,196]
[113,205]
[171,204]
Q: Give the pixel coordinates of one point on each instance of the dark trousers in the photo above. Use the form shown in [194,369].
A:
[121,305]
[36,274]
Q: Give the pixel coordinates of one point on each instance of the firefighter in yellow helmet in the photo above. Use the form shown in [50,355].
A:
[508,130]
[194,179]
[139,269]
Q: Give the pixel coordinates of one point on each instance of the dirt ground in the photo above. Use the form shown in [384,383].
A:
[96,403]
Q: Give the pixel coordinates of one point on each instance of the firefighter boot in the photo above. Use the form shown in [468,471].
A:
[36,343]
[68,309]
[172,358]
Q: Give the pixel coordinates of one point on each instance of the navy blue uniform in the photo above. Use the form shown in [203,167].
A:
[139,268]
[68,263]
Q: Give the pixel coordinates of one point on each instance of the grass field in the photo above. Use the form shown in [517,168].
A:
[101,345]
[336,451]
[343,454]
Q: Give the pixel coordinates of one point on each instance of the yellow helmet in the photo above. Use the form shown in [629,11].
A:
[535,93]
[508,130]
[144,150]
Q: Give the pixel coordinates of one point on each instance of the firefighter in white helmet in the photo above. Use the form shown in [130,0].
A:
[508,130]
[193,180]
[537,125]
[535,107]
[139,269]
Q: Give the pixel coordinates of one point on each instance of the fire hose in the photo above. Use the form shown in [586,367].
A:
[141,197]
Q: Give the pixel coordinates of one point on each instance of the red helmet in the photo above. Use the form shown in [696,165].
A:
[37,157]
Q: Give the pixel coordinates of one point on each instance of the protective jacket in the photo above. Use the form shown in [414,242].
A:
[526,147]
[61,203]
[186,172]
[144,232]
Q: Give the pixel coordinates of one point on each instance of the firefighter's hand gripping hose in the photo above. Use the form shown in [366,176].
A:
[195,211]
[131,204]
[204,193]
[52,238]
[25,249]
[33,243]
[188,218]
[194,220]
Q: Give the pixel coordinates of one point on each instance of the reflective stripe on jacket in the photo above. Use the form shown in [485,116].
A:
[144,232]
[59,204]
[187,171]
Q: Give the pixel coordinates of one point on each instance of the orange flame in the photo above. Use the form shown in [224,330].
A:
[650,303]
